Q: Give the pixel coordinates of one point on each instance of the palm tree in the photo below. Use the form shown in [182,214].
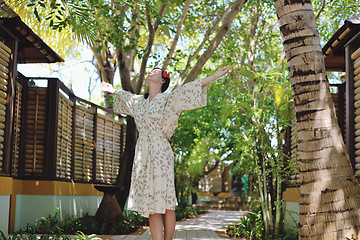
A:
[329,201]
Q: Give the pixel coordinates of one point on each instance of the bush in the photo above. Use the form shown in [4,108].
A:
[52,224]
[136,219]
[183,213]
[252,227]
[28,236]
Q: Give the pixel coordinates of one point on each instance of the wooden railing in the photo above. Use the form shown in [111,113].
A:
[58,136]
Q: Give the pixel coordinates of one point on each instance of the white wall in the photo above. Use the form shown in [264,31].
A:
[30,208]
[291,215]
[4,213]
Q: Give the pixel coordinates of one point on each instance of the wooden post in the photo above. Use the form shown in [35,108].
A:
[51,128]
[94,143]
[341,109]
[23,126]
[122,136]
[73,99]
[350,109]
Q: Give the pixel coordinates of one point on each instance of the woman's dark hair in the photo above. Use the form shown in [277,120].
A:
[165,85]
[166,78]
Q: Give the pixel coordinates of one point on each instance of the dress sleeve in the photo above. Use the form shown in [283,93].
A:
[124,102]
[189,96]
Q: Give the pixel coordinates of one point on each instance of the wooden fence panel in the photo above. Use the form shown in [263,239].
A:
[355,56]
[88,145]
[108,148]
[64,138]
[16,131]
[4,75]
[34,162]
[84,143]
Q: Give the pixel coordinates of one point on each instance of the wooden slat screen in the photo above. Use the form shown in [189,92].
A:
[34,164]
[88,144]
[4,71]
[64,138]
[16,131]
[356,61]
[84,139]
[108,148]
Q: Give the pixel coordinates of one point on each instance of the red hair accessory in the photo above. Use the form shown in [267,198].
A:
[166,75]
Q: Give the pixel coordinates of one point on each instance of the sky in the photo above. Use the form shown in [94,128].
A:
[75,72]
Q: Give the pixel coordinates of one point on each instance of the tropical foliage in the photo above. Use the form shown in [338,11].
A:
[249,111]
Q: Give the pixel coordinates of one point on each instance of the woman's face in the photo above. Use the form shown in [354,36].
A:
[154,76]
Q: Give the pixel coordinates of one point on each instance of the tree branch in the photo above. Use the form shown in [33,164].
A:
[131,54]
[211,168]
[99,63]
[323,4]
[178,32]
[206,38]
[150,43]
[216,41]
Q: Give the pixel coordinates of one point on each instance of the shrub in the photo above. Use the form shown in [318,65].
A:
[86,224]
[187,212]
[252,227]
[29,236]
[53,225]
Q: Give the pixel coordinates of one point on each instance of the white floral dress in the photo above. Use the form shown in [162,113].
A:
[152,184]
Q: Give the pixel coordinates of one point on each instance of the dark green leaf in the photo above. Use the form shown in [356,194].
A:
[137,34]
[126,48]
[37,14]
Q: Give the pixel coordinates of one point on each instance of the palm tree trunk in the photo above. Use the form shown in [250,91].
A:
[329,201]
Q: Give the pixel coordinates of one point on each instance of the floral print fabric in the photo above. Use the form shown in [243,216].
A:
[152,185]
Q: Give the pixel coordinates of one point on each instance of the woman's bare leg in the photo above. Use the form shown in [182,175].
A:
[156,226]
[169,224]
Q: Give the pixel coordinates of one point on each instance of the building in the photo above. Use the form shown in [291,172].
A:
[54,146]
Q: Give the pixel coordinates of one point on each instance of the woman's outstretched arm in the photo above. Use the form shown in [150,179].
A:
[219,73]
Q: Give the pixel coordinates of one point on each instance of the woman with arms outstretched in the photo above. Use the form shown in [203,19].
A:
[152,190]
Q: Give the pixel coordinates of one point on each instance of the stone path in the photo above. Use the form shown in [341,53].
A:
[202,228]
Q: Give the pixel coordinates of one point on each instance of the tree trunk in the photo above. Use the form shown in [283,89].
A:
[126,162]
[329,201]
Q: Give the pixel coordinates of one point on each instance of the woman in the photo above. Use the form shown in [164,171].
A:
[152,191]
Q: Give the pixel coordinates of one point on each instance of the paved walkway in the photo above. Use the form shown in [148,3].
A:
[201,228]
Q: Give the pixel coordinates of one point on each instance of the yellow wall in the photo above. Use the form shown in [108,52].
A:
[9,186]
[12,187]
[291,195]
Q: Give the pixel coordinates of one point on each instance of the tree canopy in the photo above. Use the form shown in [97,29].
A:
[248,111]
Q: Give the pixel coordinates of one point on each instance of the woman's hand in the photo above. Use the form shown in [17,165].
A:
[107,87]
[219,73]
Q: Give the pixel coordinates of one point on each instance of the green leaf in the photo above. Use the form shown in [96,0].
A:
[37,14]
[137,34]
[126,48]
